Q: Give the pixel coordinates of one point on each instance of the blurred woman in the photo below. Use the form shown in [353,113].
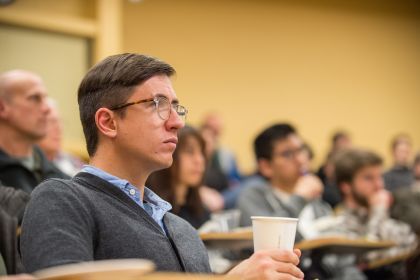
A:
[179,184]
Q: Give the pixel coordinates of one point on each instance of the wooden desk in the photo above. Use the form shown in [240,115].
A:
[242,238]
[184,276]
[123,269]
[233,240]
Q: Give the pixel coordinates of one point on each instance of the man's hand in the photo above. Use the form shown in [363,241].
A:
[211,198]
[309,187]
[270,264]
[382,198]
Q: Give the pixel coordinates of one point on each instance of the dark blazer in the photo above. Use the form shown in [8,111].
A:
[14,174]
[12,205]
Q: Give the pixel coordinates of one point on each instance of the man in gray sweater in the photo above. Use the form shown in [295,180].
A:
[130,116]
[287,190]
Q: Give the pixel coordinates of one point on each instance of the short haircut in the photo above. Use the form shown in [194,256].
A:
[349,162]
[399,139]
[264,143]
[110,83]
[338,135]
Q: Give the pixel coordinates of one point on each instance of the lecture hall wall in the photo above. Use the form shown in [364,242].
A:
[323,66]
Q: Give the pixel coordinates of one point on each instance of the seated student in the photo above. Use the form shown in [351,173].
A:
[180,183]
[406,206]
[51,143]
[341,140]
[130,116]
[222,173]
[400,175]
[12,206]
[365,208]
[280,159]
[23,122]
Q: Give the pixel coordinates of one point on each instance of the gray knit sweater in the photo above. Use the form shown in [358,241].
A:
[86,218]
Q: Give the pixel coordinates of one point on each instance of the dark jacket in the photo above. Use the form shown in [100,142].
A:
[14,174]
[87,218]
[12,205]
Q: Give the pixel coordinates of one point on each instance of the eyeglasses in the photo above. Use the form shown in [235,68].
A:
[162,105]
[290,154]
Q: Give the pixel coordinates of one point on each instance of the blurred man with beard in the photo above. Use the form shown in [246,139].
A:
[364,212]
[23,122]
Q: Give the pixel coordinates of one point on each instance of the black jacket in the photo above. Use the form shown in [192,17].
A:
[14,174]
[12,205]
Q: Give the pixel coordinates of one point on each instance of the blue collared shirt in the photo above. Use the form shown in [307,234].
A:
[155,206]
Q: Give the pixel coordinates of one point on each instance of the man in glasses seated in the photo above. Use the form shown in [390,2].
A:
[130,116]
[287,189]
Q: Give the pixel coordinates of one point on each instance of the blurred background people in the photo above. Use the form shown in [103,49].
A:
[280,159]
[339,141]
[12,206]
[365,211]
[23,122]
[180,184]
[416,171]
[51,144]
[400,175]
[222,173]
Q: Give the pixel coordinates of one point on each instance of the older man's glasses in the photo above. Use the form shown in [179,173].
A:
[162,105]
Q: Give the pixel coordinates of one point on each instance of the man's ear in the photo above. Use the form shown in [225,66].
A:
[3,109]
[105,122]
[264,166]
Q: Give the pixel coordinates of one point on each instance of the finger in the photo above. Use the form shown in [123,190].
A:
[290,269]
[284,256]
[297,252]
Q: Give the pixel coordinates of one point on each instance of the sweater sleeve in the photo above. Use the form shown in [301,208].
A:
[57,227]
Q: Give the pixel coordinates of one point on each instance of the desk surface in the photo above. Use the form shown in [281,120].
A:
[331,244]
[183,276]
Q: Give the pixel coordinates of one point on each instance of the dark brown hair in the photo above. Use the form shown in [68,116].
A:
[110,83]
[164,182]
[349,162]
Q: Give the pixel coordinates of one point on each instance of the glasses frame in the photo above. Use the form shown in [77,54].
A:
[179,109]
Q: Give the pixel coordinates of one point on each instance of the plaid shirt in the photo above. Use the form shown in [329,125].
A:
[375,225]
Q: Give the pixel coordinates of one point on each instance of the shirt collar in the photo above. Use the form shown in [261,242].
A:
[148,196]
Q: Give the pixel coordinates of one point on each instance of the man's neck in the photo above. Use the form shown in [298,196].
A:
[287,188]
[15,145]
[119,167]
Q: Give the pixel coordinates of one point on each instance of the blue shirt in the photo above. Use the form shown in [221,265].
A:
[155,206]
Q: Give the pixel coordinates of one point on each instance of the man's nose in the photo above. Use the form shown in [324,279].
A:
[175,121]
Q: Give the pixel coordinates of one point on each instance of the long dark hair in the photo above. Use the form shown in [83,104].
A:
[164,182]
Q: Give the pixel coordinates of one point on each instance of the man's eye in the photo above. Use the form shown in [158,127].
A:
[35,98]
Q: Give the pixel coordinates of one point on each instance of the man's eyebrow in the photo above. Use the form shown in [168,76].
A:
[174,101]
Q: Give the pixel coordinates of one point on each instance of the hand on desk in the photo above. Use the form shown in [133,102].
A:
[270,264]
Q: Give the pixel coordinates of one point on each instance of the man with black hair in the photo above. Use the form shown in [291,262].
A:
[287,190]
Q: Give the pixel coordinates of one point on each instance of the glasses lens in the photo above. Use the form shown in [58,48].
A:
[163,108]
[181,111]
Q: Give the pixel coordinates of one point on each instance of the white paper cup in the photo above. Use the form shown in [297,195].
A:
[273,232]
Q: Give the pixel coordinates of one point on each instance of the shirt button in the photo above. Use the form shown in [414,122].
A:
[132,192]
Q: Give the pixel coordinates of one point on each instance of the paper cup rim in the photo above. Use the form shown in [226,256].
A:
[269,219]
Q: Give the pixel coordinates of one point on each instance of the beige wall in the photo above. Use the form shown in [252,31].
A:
[59,59]
[320,66]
